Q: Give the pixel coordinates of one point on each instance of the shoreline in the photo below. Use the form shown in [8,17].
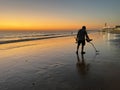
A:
[40,37]
[33,39]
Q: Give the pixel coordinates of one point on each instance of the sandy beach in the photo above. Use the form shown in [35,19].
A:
[52,64]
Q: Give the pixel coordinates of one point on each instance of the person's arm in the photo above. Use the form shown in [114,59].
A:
[86,35]
[77,36]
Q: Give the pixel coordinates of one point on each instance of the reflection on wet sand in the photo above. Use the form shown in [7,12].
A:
[81,65]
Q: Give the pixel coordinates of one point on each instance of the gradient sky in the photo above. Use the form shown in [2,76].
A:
[58,14]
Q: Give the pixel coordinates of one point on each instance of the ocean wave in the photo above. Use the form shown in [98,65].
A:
[32,38]
[14,37]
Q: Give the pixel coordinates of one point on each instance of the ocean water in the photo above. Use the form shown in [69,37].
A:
[22,36]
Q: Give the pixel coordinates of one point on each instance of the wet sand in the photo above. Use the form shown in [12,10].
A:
[52,64]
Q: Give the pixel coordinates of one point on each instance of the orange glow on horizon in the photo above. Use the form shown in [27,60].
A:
[42,24]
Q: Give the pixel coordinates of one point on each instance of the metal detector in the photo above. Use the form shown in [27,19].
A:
[89,40]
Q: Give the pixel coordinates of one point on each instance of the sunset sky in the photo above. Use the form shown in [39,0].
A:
[58,14]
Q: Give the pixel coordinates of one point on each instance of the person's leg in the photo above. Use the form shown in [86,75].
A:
[78,45]
[77,48]
[82,48]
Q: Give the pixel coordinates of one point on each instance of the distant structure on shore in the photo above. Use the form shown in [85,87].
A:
[107,28]
[117,27]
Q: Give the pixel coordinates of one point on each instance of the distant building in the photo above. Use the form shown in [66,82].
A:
[107,28]
[117,27]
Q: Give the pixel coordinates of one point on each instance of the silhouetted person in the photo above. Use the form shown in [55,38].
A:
[81,37]
[81,65]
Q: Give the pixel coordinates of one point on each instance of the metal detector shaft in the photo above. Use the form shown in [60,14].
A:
[93,46]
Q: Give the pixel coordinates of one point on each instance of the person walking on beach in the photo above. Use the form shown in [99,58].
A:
[80,39]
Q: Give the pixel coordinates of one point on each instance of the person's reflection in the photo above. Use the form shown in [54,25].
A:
[81,65]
